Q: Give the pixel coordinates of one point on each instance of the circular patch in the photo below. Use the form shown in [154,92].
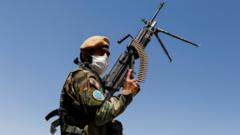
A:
[98,95]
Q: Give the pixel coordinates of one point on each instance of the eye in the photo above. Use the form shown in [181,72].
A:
[102,52]
[108,53]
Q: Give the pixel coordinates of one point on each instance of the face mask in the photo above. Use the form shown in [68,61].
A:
[99,64]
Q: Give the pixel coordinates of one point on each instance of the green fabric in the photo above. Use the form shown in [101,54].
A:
[81,85]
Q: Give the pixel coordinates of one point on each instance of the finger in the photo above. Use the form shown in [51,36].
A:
[129,73]
[133,80]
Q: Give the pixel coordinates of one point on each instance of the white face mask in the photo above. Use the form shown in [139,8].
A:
[99,64]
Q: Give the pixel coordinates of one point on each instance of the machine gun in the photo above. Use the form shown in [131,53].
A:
[113,81]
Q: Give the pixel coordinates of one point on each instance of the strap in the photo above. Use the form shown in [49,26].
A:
[52,114]
[72,129]
[54,126]
[55,123]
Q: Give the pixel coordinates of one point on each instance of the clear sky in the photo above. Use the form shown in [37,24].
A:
[197,94]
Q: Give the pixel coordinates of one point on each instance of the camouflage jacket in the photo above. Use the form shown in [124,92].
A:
[84,104]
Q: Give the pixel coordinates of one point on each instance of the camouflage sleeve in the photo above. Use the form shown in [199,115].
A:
[112,108]
[85,93]
[83,88]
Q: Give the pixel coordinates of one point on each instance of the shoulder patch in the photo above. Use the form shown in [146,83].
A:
[98,95]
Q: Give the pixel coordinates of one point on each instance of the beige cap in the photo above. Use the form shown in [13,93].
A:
[95,42]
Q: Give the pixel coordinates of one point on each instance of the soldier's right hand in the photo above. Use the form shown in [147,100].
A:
[130,85]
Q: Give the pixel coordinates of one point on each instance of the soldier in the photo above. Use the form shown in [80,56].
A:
[84,106]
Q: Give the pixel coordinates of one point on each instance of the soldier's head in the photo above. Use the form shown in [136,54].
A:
[95,50]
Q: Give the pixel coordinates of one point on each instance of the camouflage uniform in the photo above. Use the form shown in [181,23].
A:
[84,104]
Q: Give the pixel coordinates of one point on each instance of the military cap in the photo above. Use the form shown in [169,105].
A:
[95,42]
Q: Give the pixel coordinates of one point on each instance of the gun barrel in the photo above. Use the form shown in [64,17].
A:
[155,15]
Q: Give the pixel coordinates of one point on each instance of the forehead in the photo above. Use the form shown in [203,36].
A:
[101,49]
[104,48]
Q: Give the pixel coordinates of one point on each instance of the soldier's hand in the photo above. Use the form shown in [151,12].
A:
[130,85]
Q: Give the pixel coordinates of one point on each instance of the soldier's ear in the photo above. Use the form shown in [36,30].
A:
[85,56]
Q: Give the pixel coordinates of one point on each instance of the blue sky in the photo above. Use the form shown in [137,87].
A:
[197,94]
